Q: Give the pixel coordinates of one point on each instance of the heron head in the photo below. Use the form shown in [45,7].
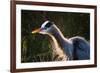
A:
[45,28]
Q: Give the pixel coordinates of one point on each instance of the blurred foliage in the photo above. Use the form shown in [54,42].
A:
[36,45]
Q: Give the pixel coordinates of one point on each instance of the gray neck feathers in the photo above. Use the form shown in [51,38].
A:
[58,35]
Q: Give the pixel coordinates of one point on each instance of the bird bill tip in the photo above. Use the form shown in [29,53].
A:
[36,30]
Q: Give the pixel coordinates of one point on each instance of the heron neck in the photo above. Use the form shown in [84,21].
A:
[59,37]
[57,50]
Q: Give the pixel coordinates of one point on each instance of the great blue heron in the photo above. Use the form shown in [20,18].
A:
[75,48]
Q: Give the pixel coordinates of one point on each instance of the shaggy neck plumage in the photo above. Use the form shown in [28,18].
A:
[57,51]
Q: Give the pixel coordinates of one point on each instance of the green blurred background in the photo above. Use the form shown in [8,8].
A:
[36,47]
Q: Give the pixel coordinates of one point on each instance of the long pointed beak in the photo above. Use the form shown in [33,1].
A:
[36,30]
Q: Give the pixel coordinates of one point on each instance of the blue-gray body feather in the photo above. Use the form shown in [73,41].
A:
[81,48]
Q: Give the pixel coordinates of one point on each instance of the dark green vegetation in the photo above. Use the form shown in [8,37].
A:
[36,47]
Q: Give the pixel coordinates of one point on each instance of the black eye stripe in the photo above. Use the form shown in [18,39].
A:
[48,24]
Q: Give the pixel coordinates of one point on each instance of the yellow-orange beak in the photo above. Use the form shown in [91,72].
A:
[36,30]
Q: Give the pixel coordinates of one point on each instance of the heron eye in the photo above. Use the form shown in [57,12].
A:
[48,24]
